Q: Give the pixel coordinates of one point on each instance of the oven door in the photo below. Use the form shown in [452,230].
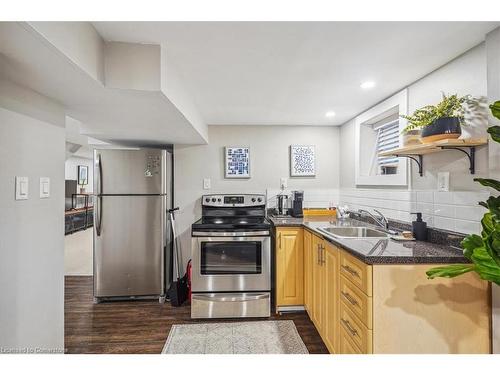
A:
[231,264]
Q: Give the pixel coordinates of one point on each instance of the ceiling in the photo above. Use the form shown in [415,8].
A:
[292,73]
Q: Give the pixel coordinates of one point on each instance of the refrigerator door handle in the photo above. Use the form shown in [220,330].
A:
[99,199]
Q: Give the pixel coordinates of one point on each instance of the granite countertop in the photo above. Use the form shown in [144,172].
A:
[377,251]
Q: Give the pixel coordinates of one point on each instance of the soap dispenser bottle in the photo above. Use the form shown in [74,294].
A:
[419,227]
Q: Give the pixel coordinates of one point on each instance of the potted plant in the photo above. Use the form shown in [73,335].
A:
[443,120]
[484,250]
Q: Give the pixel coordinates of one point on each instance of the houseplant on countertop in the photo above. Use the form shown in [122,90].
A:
[484,250]
[445,119]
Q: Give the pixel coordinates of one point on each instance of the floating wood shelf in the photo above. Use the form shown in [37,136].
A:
[416,152]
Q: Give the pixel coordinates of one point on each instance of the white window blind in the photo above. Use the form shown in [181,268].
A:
[387,139]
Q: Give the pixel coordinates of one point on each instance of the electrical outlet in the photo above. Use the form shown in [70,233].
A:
[443,181]
[206,183]
[283,183]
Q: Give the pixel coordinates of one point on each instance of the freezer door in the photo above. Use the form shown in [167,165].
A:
[130,171]
[129,240]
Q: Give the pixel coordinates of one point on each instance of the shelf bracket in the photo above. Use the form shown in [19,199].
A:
[420,162]
[471,155]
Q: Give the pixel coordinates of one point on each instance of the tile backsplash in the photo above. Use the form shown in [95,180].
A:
[456,211]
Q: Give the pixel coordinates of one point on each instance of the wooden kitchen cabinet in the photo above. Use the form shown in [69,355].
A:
[318,284]
[359,308]
[289,266]
[322,261]
[331,328]
[308,263]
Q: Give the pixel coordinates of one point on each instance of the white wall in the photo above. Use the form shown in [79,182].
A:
[269,160]
[31,231]
[464,75]
[71,171]
[78,40]
[142,70]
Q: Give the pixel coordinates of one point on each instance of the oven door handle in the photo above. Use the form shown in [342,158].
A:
[231,234]
[232,297]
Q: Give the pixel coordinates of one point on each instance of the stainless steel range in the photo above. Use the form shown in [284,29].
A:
[231,258]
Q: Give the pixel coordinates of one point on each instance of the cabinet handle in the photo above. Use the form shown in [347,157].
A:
[323,261]
[350,328]
[351,271]
[317,254]
[279,241]
[349,298]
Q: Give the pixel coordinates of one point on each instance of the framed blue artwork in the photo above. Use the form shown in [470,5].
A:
[237,162]
[302,161]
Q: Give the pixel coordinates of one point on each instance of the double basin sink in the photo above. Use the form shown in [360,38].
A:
[354,232]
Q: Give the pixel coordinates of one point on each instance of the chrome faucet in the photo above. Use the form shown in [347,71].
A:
[381,221]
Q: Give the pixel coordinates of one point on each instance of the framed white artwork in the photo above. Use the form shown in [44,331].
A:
[237,162]
[302,161]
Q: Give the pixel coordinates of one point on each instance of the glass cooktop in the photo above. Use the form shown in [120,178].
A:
[217,223]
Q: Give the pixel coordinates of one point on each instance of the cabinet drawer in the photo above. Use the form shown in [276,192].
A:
[355,329]
[357,272]
[347,346]
[357,301]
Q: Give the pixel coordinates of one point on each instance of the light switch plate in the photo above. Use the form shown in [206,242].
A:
[44,187]
[206,183]
[22,188]
[443,181]
[283,183]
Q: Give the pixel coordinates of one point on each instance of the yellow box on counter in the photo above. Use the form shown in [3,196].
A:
[319,211]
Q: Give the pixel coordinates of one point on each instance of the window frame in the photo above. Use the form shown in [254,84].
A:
[399,100]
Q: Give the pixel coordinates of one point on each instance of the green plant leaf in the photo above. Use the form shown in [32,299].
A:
[451,270]
[495,132]
[485,266]
[471,242]
[495,109]
[489,183]
[494,206]
[487,224]
[492,244]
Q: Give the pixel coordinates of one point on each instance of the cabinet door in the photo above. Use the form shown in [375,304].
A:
[289,267]
[331,265]
[318,284]
[308,272]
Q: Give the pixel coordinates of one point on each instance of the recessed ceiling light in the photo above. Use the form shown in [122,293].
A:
[367,85]
[330,114]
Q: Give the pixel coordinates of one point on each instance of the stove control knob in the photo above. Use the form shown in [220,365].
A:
[253,199]
[259,199]
[219,200]
[207,200]
[213,200]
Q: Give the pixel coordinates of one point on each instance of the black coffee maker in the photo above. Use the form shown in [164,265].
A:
[297,198]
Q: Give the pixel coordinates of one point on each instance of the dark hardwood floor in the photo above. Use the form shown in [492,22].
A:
[138,326]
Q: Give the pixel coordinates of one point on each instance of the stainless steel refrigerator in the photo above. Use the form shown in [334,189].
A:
[132,245]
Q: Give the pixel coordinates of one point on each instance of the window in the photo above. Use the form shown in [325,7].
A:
[387,139]
[377,130]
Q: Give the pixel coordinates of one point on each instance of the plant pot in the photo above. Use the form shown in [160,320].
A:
[442,128]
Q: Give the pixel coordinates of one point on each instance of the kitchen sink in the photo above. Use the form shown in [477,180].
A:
[354,232]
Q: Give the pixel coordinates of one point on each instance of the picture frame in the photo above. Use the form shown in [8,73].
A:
[237,162]
[302,161]
[83,175]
